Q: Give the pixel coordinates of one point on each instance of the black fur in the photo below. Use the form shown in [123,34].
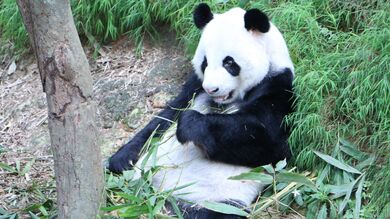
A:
[202,15]
[253,136]
[256,20]
[130,152]
[204,213]
[204,64]
[231,66]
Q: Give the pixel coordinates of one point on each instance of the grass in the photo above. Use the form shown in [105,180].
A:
[341,51]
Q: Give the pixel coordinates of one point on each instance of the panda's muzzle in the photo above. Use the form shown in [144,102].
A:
[223,98]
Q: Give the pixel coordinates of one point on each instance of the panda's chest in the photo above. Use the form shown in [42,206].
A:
[204,104]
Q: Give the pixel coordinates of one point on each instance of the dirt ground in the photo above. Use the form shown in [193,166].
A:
[129,90]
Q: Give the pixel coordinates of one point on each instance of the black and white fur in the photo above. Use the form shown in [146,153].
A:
[241,64]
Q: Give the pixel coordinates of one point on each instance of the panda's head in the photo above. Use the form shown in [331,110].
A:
[236,51]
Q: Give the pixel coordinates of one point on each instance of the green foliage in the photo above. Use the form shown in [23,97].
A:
[340,50]
[8,215]
[340,185]
[337,192]
[342,80]
[11,27]
[224,208]
[132,195]
[41,205]
[18,169]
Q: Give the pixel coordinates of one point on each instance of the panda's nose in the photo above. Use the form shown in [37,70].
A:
[212,90]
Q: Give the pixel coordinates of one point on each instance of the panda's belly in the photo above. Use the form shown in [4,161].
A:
[186,165]
[206,180]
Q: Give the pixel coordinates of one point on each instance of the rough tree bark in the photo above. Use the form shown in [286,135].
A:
[67,81]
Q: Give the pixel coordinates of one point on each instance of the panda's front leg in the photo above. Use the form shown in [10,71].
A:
[193,127]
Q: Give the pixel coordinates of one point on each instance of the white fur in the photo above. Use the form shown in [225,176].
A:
[207,180]
[256,53]
[276,48]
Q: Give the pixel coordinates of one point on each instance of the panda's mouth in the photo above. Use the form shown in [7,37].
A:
[221,99]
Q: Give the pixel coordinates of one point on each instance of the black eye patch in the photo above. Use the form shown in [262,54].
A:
[204,64]
[231,66]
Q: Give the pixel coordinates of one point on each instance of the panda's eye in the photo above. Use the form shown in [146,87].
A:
[231,66]
[228,61]
[204,64]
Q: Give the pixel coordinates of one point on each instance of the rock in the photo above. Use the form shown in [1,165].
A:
[116,105]
[160,99]
[111,85]
[107,122]
[11,68]
[133,120]
[41,140]
[169,73]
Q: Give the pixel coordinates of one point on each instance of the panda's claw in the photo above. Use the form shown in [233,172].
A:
[121,161]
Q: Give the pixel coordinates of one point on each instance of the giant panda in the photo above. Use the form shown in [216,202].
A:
[242,66]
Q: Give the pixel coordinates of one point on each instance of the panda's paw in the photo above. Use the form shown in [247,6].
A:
[188,126]
[121,161]
[193,127]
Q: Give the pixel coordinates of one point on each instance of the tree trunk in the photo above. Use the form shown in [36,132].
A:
[67,81]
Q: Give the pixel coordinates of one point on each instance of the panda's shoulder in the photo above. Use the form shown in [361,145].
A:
[280,80]
[273,84]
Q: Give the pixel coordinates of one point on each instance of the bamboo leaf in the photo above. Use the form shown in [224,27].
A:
[298,199]
[385,212]
[133,211]
[288,177]
[175,207]
[353,152]
[347,177]
[348,195]
[333,212]
[27,167]
[280,165]
[157,208]
[112,208]
[358,197]
[43,211]
[128,174]
[258,169]
[129,197]
[17,166]
[269,168]
[323,212]
[338,190]
[367,162]
[224,208]
[258,177]
[323,175]
[334,162]
[3,211]
[32,215]
[312,209]
[7,167]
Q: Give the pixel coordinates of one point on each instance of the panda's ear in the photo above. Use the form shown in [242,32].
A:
[202,15]
[256,20]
